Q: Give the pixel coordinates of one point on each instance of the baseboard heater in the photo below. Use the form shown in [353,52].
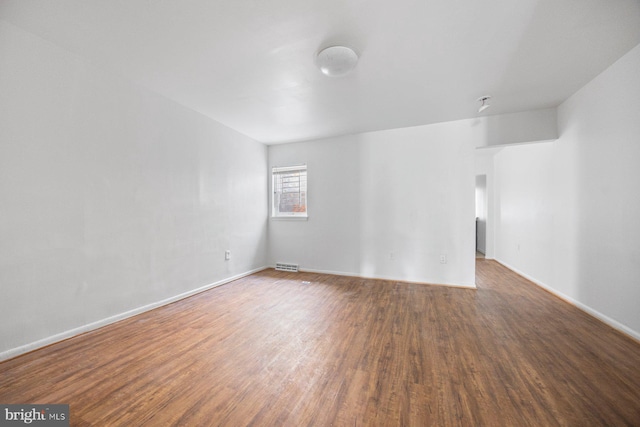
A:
[281,266]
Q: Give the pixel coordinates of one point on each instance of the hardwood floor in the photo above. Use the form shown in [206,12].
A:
[271,350]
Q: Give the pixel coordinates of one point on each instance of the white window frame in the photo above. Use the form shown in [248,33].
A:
[275,196]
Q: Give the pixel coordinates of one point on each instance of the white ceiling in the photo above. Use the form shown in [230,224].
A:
[250,63]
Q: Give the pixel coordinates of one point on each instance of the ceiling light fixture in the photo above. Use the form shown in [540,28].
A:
[337,61]
[485,103]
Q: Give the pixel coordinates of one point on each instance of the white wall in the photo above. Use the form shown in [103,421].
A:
[111,197]
[524,218]
[385,204]
[573,205]
[517,128]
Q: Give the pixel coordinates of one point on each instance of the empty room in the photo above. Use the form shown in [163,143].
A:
[320,213]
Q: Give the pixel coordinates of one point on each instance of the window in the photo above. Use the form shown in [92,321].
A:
[289,191]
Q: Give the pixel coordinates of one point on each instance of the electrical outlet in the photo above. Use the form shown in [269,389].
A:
[443,258]
[392,256]
[227,254]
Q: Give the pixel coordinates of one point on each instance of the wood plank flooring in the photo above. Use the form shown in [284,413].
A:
[269,350]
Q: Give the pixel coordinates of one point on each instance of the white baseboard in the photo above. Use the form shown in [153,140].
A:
[8,354]
[395,279]
[590,311]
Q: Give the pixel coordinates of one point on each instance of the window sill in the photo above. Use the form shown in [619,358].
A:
[289,218]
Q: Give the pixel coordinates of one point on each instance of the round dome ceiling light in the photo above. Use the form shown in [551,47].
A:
[337,61]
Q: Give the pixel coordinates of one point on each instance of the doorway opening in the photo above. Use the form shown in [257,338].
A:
[481,216]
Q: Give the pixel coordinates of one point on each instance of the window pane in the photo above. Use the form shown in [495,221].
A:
[290,191]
